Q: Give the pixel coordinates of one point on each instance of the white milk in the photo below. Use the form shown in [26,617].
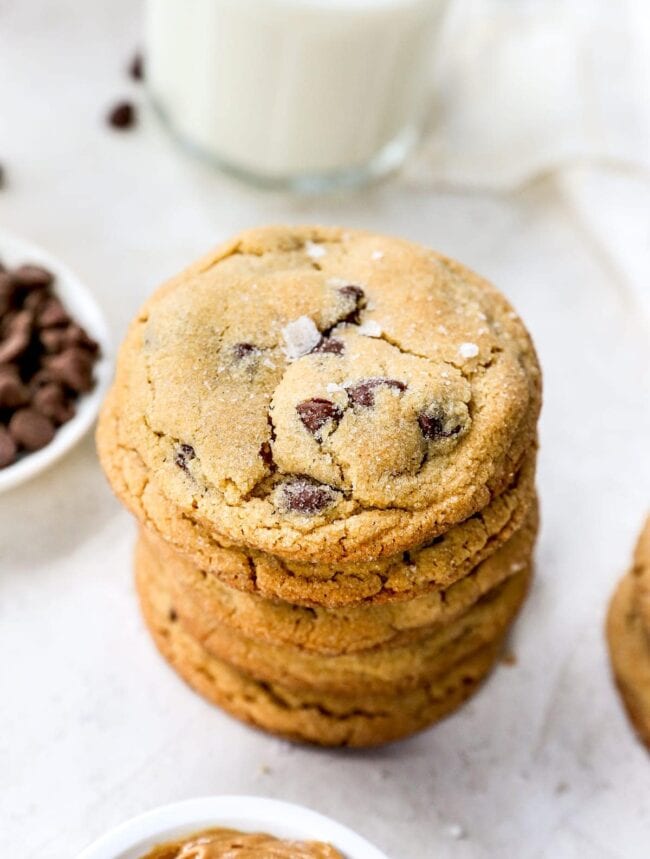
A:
[281,90]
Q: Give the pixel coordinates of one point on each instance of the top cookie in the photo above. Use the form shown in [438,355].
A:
[323,393]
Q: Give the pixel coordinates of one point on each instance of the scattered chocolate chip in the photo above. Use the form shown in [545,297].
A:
[50,400]
[244,350]
[363,393]
[8,448]
[315,413]
[53,340]
[36,299]
[266,452]
[184,454]
[13,392]
[32,277]
[136,67]
[73,367]
[329,346]
[306,496]
[358,297]
[18,334]
[122,116]
[30,430]
[52,314]
[434,427]
[75,335]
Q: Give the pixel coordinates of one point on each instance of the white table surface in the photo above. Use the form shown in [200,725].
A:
[93,726]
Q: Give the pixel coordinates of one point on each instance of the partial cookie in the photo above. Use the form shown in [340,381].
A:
[331,631]
[445,560]
[314,717]
[325,394]
[641,572]
[629,648]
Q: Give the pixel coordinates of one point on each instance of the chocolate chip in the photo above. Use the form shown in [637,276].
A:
[75,335]
[53,340]
[363,393]
[172,614]
[354,291]
[73,367]
[7,291]
[266,452]
[358,297]
[435,426]
[12,391]
[136,67]
[329,346]
[52,314]
[306,496]
[31,430]
[50,400]
[184,454]
[122,116]
[244,350]
[18,333]
[32,277]
[8,448]
[315,413]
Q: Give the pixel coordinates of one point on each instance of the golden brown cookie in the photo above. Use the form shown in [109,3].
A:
[628,636]
[641,572]
[448,558]
[310,716]
[383,670]
[332,631]
[629,649]
[316,393]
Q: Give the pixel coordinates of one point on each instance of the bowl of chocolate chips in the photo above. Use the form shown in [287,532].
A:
[54,360]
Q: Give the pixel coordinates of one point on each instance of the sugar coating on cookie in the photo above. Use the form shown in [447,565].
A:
[287,387]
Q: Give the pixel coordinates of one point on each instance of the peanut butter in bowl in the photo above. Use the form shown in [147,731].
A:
[232,844]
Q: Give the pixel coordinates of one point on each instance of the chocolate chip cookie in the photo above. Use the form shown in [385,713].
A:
[628,635]
[339,407]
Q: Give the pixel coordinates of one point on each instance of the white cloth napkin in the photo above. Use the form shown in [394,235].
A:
[531,88]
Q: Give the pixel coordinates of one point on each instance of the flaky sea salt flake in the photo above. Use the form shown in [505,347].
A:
[300,337]
[314,250]
[370,329]
[468,350]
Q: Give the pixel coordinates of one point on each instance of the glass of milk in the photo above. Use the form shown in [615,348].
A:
[307,95]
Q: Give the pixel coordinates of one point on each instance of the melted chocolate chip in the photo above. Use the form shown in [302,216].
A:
[363,393]
[329,346]
[358,296]
[433,427]
[315,413]
[184,454]
[266,453]
[243,350]
[307,497]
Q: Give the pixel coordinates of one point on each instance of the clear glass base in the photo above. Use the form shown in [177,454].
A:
[389,159]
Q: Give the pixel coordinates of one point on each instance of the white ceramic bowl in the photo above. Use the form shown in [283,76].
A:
[134,838]
[83,308]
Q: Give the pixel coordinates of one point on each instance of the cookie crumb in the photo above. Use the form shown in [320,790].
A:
[370,329]
[468,350]
[300,337]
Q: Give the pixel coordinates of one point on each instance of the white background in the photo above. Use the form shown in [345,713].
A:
[93,726]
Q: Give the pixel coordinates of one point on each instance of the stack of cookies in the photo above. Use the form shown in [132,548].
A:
[628,633]
[328,438]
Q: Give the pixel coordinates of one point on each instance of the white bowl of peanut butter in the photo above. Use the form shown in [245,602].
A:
[218,826]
